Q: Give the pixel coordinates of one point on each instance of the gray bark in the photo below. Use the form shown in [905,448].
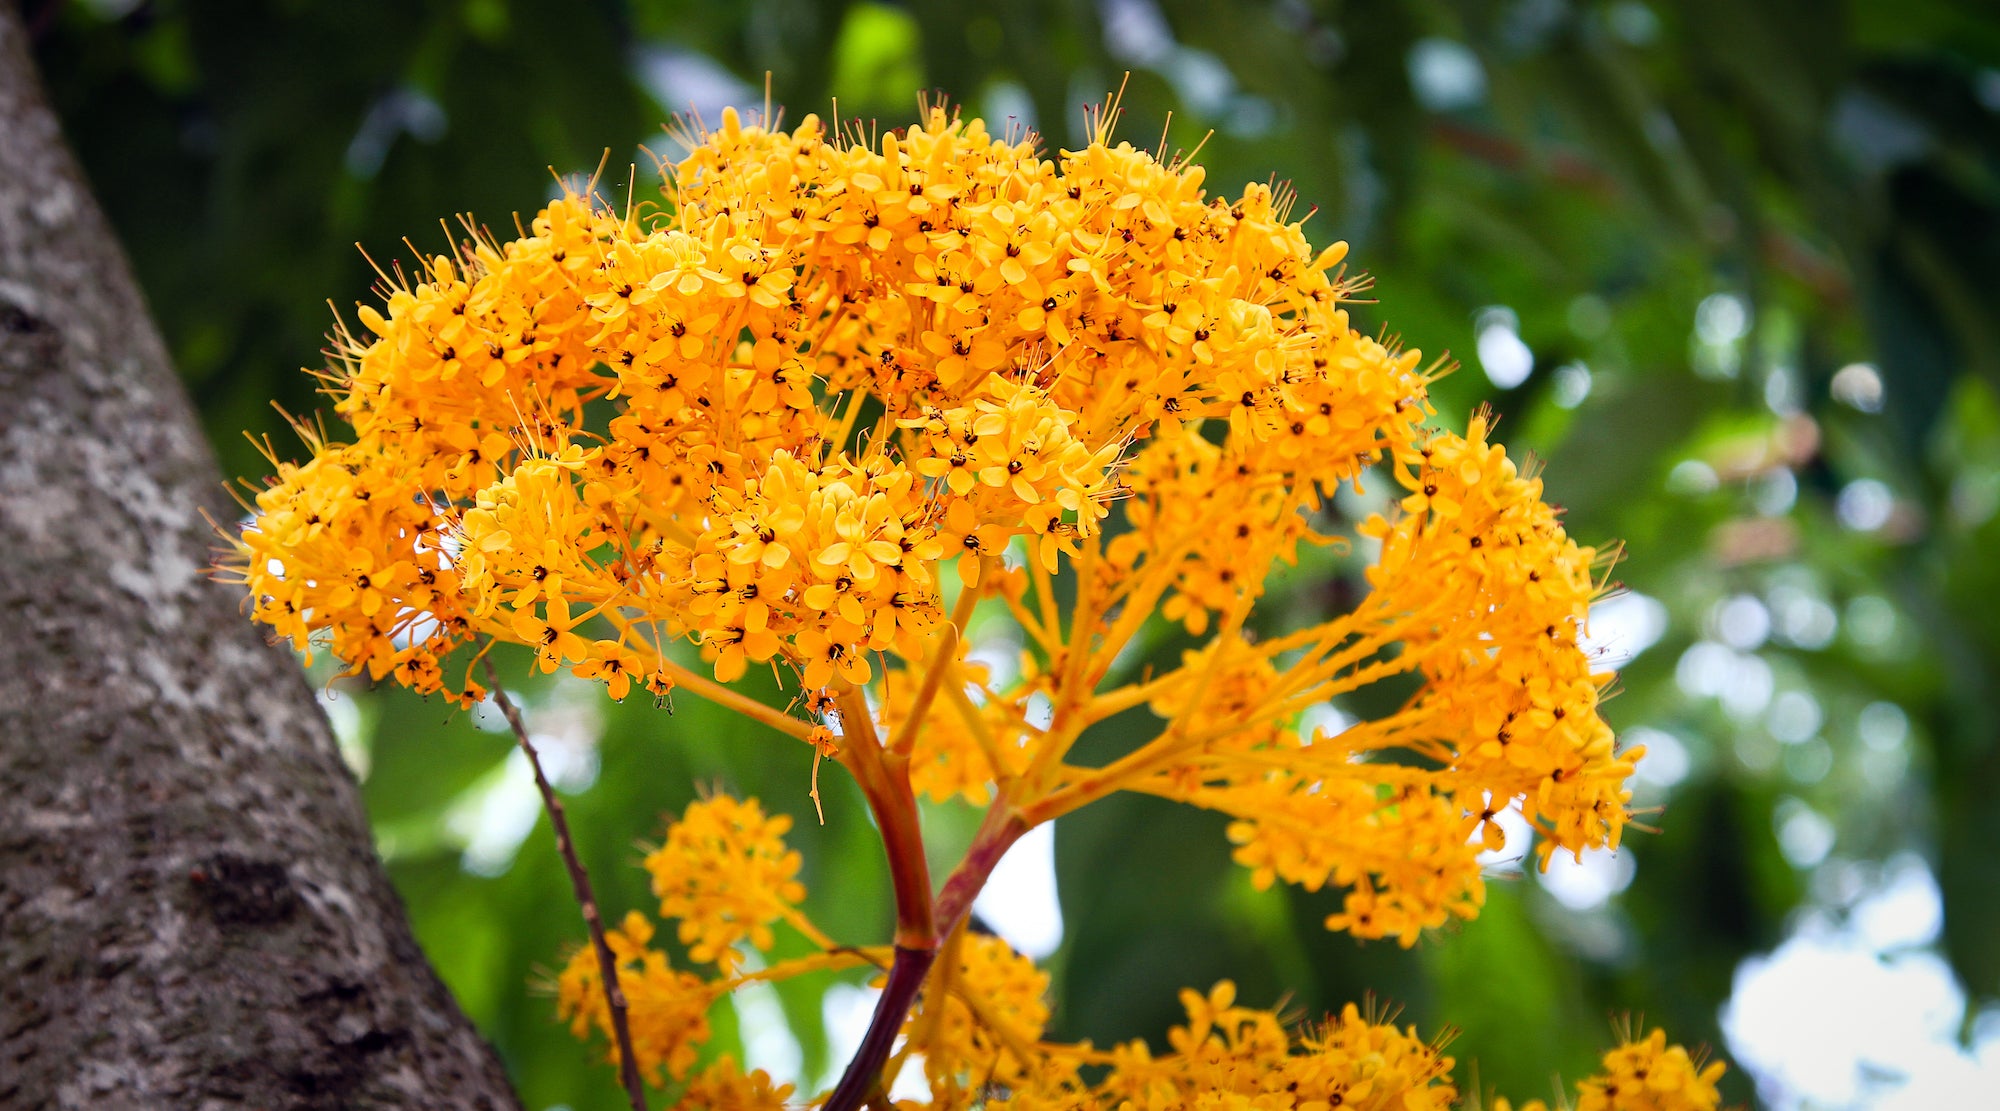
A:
[191,913]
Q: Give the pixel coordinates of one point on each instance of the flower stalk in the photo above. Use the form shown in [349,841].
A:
[861,1081]
[913,964]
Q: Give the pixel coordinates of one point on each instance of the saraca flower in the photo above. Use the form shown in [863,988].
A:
[844,402]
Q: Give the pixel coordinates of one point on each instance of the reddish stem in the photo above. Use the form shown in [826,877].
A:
[864,1071]
[885,780]
[895,807]
[1002,827]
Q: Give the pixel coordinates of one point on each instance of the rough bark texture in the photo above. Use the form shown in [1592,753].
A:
[191,914]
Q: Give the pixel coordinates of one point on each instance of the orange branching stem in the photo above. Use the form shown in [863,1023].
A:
[941,665]
[579,882]
[677,677]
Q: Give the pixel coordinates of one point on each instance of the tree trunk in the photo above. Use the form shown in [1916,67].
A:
[191,913]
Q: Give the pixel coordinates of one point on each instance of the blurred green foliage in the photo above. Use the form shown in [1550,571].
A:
[1693,215]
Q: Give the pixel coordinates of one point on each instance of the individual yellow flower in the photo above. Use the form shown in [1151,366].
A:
[612,663]
[551,633]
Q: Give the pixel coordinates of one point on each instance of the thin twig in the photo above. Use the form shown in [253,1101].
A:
[579,881]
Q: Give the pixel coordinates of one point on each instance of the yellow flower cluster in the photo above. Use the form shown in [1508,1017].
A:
[979,1024]
[1000,322]
[1644,1075]
[1511,702]
[667,1008]
[724,1086]
[979,1032]
[1233,1058]
[840,396]
[1478,590]
[726,874]
[1651,1075]
[765,418]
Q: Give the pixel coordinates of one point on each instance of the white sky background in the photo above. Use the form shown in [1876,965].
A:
[1858,1011]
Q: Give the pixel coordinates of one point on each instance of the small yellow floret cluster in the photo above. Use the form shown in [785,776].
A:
[981,1021]
[667,1008]
[1233,1058]
[726,874]
[1644,1075]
